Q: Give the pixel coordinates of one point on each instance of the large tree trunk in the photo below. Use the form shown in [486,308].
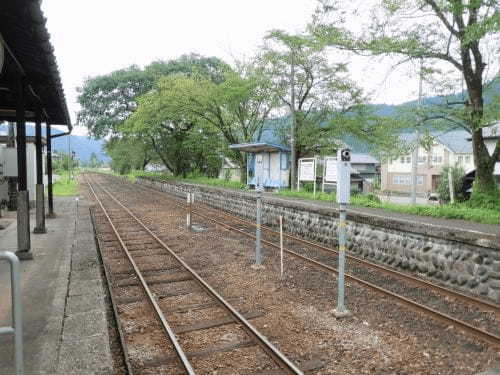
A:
[242,162]
[484,181]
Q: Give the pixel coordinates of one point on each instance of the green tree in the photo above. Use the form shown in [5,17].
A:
[313,90]
[128,154]
[454,32]
[108,100]
[64,161]
[192,64]
[237,108]
[175,134]
[94,161]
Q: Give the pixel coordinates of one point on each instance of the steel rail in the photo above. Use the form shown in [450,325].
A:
[424,283]
[476,332]
[112,297]
[166,327]
[449,292]
[283,362]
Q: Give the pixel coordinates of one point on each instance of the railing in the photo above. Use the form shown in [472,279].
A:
[17,313]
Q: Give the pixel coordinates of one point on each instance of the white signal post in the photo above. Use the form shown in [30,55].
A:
[281,244]
[189,204]
[343,196]
[259,188]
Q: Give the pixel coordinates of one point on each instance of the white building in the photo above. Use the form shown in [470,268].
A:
[8,165]
[449,148]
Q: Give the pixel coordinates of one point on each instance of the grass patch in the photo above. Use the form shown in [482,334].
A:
[482,209]
[65,186]
[460,211]
[320,196]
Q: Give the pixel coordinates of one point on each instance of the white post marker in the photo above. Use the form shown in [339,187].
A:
[281,244]
[188,216]
[343,195]
[450,185]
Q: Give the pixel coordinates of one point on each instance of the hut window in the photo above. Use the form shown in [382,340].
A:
[285,161]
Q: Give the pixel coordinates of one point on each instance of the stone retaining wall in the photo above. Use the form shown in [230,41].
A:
[467,260]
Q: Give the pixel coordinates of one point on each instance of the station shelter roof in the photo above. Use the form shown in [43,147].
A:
[259,147]
[27,52]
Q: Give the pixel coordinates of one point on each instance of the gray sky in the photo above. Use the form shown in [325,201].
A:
[95,37]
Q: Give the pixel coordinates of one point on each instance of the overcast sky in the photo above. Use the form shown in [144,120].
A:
[95,37]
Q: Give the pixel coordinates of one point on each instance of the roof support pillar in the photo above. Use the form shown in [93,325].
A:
[23,207]
[49,172]
[40,198]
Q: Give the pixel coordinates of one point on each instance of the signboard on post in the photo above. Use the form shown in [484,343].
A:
[307,172]
[329,171]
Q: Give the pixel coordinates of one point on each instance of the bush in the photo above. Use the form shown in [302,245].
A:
[366,200]
[457,176]
[485,201]
[307,186]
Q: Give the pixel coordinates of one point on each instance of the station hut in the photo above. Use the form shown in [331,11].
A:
[275,163]
[30,91]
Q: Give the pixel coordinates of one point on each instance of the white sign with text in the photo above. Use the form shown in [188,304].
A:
[307,170]
[330,169]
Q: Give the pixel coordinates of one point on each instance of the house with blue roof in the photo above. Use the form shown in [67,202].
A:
[274,163]
[449,148]
[275,160]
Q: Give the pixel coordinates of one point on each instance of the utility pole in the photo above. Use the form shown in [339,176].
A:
[414,158]
[293,140]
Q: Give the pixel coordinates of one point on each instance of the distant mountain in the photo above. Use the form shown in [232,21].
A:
[491,90]
[82,145]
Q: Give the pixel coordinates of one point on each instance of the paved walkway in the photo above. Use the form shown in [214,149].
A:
[65,327]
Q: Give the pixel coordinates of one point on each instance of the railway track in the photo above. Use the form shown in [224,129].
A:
[141,270]
[413,289]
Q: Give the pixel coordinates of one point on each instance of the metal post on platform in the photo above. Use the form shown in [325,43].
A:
[343,195]
[17,312]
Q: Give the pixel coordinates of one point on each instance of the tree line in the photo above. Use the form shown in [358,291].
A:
[184,113]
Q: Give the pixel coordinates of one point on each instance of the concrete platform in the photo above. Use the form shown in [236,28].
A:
[65,326]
